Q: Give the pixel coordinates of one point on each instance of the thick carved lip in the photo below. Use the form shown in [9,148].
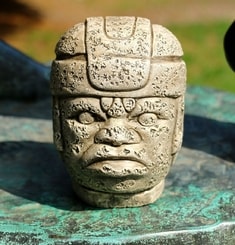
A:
[115,158]
[119,168]
[112,154]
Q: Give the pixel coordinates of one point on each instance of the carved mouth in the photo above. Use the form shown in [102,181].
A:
[118,168]
[101,153]
[112,162]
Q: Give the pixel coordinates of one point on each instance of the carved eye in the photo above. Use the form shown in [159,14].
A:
[86,118]
[147,119]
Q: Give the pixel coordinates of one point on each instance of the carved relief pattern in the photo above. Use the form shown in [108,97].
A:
[118,85]
[95,135]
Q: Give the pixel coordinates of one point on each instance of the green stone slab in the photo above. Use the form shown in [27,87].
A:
[38,205]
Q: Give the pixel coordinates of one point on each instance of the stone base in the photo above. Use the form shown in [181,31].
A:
[111,200]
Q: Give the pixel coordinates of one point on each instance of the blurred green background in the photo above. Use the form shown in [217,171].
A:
[34,27]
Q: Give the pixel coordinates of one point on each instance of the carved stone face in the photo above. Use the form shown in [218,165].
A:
[119,145]
[118,112]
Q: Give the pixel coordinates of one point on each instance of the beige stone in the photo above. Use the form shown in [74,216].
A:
[118,87]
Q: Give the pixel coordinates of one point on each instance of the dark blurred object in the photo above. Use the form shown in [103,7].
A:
[229,45]
[20,76]
[15,14]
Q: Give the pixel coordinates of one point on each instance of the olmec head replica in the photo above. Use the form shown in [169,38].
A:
[118,87]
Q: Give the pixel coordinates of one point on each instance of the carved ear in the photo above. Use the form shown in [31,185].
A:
[178,132]
[57,125]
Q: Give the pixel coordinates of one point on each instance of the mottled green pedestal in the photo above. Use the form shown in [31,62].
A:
[38,206]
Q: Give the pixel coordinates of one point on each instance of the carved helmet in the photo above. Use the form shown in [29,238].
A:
[118,56]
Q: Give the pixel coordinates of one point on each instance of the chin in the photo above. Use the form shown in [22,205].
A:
[113,199]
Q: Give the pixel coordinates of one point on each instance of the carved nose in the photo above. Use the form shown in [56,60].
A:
[117,136]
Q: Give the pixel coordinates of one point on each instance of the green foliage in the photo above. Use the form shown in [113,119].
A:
[40,44]
[204,54]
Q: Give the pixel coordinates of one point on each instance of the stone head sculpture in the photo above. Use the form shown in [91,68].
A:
[118,88]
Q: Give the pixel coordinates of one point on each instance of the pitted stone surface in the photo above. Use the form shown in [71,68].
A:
[72,42]
[123,55]
[118,108]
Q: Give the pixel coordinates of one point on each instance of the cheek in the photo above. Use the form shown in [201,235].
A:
[159,135]
[159,172]
[158,144]
[74,133]
[77,137]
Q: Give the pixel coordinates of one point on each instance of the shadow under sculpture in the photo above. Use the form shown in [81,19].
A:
[118,87]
